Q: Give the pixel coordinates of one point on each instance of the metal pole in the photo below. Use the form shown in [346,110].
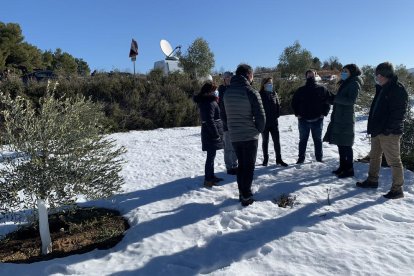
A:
[134,67]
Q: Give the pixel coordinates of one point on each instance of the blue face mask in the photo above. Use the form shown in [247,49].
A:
[376,80]
[344,75]
[268,87]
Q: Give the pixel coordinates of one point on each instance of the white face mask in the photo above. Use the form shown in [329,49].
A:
[268,87]
[216,93]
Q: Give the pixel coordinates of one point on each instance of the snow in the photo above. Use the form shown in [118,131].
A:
[179,227]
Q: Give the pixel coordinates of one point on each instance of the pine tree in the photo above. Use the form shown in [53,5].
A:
[57,154]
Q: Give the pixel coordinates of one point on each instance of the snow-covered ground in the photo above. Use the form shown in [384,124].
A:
[179,227]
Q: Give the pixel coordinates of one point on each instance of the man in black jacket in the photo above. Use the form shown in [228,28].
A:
[385,125]
[310,104]
[245,120]
[230,158]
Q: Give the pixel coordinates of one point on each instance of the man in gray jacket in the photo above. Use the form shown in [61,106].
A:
[245,121]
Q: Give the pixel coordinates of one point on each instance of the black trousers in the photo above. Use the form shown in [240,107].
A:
[346,157]
[274,131]
[246,152]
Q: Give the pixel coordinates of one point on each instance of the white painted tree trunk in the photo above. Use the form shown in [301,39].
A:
[44,227]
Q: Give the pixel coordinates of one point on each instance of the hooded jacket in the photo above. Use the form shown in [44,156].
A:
[388,109]
[245,115]
[211,125]
[271,107]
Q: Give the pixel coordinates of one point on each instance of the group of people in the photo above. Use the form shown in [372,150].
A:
[234,114]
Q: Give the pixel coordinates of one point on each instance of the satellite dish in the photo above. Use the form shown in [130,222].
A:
[166,47]
[168,50]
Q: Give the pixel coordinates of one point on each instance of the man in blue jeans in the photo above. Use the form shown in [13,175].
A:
[310,104]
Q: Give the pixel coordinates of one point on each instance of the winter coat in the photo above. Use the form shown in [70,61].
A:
[388,109]
[244,109]
[271,107]
[211,125]
[222,88]
[311,101]
[341,129]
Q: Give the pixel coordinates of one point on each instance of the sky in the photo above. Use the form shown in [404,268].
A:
[180,228]
[255,32]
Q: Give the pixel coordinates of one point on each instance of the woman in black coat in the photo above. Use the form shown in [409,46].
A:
[211,128]
[271,107]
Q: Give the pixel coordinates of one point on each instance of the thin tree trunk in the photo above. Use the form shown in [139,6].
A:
[44,227]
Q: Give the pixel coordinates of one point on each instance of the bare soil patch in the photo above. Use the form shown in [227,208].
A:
[73,232]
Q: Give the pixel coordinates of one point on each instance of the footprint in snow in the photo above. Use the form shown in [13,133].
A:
[395,218]
[308,230]
[357,226]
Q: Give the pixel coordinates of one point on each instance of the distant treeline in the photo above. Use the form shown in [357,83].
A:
[19,57]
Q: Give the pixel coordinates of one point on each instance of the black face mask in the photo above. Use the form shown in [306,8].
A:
[311,80]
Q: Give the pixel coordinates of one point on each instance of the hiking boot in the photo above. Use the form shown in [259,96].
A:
[217,179]
[246,201]
[346,173]
[367,184]
[281,163]
[300,161]
[209,184]
[232,171]
[394,194]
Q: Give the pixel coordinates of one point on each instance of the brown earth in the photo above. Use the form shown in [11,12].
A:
[73,232]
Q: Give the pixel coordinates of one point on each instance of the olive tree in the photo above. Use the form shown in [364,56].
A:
[199,60]
[294,61]
[53,154]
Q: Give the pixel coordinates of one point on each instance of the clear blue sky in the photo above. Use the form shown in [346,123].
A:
[256,32]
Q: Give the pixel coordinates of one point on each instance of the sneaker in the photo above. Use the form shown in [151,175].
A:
[232,171]
[367,184]
[209,184]
[217,179]
[246,201]
[346,173]
[281,163]
[300,161]
[394,194]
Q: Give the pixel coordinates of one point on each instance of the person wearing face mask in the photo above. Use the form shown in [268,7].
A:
[211,129]
[230,158]
[245,121]
[341,129]
[310,104]
[385,125]
[271,107]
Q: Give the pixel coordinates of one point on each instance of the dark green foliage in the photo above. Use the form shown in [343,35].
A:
[285,90]
[199,60]
[129,102]
[294,61]
[368,89]
[407,142]
[20,57]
